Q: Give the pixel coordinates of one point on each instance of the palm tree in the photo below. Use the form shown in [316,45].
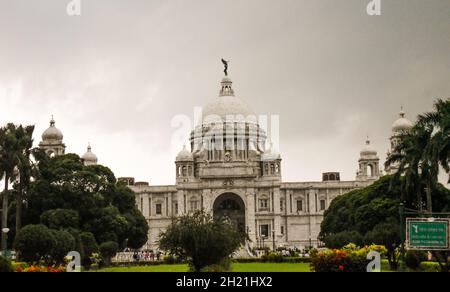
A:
[26,169]
[9,159]
[423,150]
[409,154]
[439,122]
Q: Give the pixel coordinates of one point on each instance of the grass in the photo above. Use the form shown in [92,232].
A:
[236,267]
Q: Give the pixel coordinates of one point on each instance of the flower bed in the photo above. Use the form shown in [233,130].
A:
[349,259]
[24,268]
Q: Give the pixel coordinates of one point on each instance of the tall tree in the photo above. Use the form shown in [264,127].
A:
[413,165]
[26,169]
[10,160]
[201,239]
[439,122]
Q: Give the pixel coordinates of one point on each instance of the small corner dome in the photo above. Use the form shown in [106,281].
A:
[89,156]
[270,154]
[185,155]
[52,133]
[402,124]
[368,150]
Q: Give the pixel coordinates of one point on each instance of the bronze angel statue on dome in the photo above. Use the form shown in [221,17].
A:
[225,64]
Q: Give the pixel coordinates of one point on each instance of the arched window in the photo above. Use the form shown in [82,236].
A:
[369,170]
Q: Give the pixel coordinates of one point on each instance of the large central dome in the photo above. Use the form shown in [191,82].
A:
[227,106]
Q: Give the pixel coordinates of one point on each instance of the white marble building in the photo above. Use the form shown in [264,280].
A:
[242,180]
[228,172]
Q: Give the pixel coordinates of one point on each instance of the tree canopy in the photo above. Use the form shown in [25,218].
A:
[68,194]
[201,239]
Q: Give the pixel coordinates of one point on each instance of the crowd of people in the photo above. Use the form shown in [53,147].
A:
[139,256]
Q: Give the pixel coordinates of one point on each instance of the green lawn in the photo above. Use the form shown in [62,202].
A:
[236,267]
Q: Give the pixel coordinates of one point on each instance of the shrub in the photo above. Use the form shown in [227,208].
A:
[430,267]
[5,265]
[34,242]
[341,239]
[272,257]
[223,266]
[171,260]
[88,246]
[64,243]
[413,259]
[349,259]
[108,250]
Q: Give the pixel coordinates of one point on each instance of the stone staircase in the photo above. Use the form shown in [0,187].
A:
[244,252]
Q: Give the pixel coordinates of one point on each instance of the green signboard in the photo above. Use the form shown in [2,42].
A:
[427,234]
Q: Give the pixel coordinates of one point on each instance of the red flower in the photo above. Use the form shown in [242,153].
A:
[341,268]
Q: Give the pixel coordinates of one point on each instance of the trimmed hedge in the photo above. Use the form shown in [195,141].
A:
[429,267]
[292,260]
[5,265]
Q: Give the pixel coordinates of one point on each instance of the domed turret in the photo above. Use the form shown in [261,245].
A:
[402,124]
[369,164]
[270,154]
[89,158]
[52,133]
[399,127]
[368,151]
[52,140]
[185,155]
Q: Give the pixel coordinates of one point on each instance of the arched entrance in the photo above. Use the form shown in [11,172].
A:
[230,207]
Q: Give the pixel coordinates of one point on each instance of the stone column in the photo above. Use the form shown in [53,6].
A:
[277,213]
[250,215]
[180,195]
[208,201]
[145,205]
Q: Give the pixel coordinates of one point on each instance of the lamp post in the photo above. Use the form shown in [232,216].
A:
[273,239]
[5,232]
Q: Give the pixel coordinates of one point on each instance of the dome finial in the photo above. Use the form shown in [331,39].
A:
[402,112]
[52,122]
[367,140]
[89,148]
[226,89]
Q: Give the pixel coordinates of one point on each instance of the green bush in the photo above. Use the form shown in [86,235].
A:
[341,239]
[88,246]
[223,266]
[5,265]
[413,259]
[64,243]
[171,260]
[34,242]
[272,257]
[430,267]
[108,250]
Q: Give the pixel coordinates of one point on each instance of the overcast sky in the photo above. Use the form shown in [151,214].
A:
[119,73]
